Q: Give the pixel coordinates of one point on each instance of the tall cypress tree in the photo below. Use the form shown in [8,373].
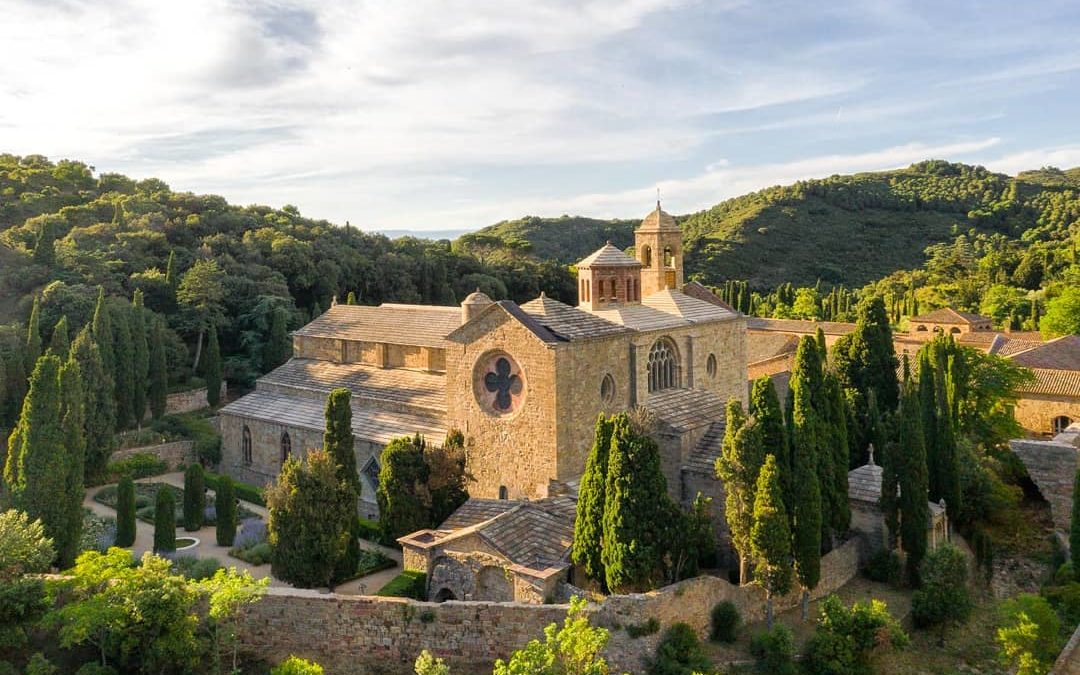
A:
[225,507]
[765,408]
[338,444]
[350,299]
[101,327]
[194,497]
[72,424]
[813,432]
[911,474]
[159,370]
[278,347]
[636,501]
[59,344]
[810,504]
[45,246]
[589,521]
[33,337]
[171,278]
[823,350]
[770,539]
[123,367]
[164,521]
[212,368]
[866,359]
[836,414]
[928,410]
[15,371]
[36,469]
[141,352]
[738,466]
[125,512]
[99,406]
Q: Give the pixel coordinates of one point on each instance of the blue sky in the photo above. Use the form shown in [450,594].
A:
[433,115]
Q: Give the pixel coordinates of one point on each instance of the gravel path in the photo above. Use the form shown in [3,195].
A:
[207,547]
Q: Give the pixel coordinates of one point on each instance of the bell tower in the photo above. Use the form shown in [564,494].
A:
[658,245]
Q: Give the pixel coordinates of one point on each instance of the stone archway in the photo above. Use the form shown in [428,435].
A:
[443,595]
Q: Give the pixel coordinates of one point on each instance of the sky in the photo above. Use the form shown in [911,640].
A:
[433,115]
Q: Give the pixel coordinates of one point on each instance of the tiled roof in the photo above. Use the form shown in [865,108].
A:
[420,325]
[569,323]
[608,255]
[685,409]
[476,511]
[764,346]
[1062,353]
[1054,382]
[395,385]
[522,317]
[639,317]
[864,483]
[693,310]
[701,292]
[799,326]
[949,315]
[1005,345]
[659,220]
[375,425]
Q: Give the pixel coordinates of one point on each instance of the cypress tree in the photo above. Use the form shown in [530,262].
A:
[159,375]
[338,444]
[813,432]
[823,350]
[101,327]
[635,504]
[164,521]
[17,382]
[911,475]
[225,506]
[170,271]
[765,409]
[1074,526]
[351,298]
[141,352]
[33,337]
[45,246]
[589,521]
[866,359]
[99,423]
[837,422]
[72,423]
[928,409]
[59,344]
[4,386]
[125,512]
[194,497]
[810,504]
[738,467]
[36,469]
[401,509]
[770,540]
[123,368]
[278,347]
[212,368]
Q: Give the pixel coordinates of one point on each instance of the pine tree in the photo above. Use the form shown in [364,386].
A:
[194,497]
[589,521]
[35,473]
[278,347]
[123,367]
[72,423]
[911,476]
[212,368]
[141,353]
[159,371]
[59,344]
[338,443]
[164,521]
[125,512]
[634,510]
[33,337]
[770,539]
[738,467]
[98,404]
[225,508]
[765,409]
[101,327]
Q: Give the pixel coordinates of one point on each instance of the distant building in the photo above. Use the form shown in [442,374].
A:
[1052,402]
[948,320]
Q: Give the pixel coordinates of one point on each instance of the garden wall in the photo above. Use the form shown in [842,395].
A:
[376,636]
[191,400]
[174,454]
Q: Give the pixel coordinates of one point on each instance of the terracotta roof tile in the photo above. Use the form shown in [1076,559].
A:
[659,220]
[1062,353]
[693,310]
[1054,382]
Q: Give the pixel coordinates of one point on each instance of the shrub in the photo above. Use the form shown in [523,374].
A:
[139,465]
[7,669]
[98,533]
[427,664]
[196,569]
[294,665]
[679,653]
[642,629]
[847,639]
[252,533]
[369,530]
[245,491]
[1065,574]
[259,554]
[725,622]
[164,522]
[1028,634]
[885,567]
[94,668]
[39,665]
[943,598]
[1065,599]
[370,562]
[774,650]
[408,584]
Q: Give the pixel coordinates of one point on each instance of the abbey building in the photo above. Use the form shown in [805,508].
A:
[524,383]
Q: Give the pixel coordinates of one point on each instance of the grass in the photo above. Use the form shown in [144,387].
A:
[970,647]
[408,584]
[244,491]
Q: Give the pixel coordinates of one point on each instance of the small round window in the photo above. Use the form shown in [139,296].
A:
[607,389]
[710,365]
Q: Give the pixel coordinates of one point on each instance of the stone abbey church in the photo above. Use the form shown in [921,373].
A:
[524,383]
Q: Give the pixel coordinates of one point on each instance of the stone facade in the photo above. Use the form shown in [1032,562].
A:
[1045,414]
[1052,466]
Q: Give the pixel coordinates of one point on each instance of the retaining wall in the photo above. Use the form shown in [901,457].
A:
[191,400]
[174,454]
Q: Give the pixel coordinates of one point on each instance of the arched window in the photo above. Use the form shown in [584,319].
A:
[663,366]
[1060,424]
[669,258]
[286,446]
[503,493]
[920,328]
[607,388]
[245,445]
[955,331]
[710,365]
[646,256]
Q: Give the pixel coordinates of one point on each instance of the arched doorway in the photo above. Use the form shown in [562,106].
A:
[1060,424]
[444,594]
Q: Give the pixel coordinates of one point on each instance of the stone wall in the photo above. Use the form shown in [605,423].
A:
[190,401]
[376,636]
[1068,663]
[1052,466]
[1036,412]
[174,454]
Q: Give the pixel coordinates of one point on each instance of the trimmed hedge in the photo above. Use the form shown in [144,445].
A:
[139,465]
[244,491]
[408,584]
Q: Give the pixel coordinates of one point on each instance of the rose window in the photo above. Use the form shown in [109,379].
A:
[501,384]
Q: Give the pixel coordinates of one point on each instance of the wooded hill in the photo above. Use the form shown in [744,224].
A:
[841,230]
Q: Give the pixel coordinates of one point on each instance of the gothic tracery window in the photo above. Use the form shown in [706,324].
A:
[663,366]
[245,445]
